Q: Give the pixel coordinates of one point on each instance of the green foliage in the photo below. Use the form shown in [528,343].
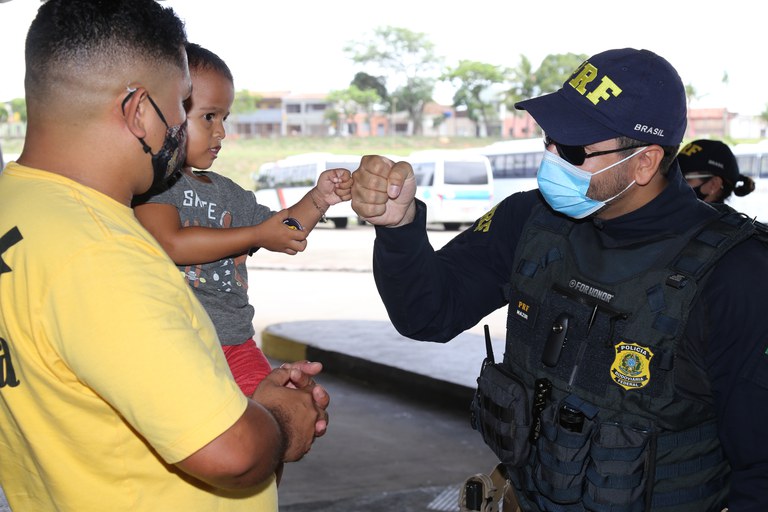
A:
[19,108]
[395,49]
[348,102]
[412,97]
[522,82]
[691,93]
[13,111]
[476,81]
[364,82]
[555,69]
[245,102]
[407,58]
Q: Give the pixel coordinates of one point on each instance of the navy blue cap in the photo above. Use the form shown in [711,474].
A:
[711,157]
[626,92]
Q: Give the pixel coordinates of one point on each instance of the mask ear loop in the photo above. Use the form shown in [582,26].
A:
[130,90]
[144,145]
[642,149]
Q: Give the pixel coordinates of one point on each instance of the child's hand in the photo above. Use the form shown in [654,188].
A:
[273,235]
[329,183]
[344,188]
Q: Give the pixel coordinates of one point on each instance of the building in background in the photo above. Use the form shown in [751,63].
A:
[287,114]
[290,114]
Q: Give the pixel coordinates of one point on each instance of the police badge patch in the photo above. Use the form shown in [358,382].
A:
[631,369]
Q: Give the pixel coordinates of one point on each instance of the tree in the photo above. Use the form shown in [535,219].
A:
[365,82]
[475,91]
[555,69]
[412,98]
[348,102]
[407,63]
[18,110]
[522,83]
[245,102]
[690,94]
[552,73]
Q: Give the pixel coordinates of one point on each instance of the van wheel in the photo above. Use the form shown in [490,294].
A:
[340,222]
[452,226]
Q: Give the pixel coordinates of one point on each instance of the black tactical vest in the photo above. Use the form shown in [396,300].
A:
[584,410]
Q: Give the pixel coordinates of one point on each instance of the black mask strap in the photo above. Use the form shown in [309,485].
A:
[144,145]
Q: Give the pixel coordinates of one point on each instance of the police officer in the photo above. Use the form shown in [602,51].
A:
[711,169]
[635,371]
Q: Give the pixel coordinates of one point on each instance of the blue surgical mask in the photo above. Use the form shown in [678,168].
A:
[564,186]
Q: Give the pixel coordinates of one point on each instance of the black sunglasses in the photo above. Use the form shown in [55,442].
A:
[576,155]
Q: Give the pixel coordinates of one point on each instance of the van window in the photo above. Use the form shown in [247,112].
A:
[465,173]
[350,166]
[425,173]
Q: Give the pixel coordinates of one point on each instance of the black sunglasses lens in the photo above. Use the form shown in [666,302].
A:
[573,154]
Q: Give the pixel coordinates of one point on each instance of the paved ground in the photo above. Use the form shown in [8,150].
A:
[400,438]
[385,452]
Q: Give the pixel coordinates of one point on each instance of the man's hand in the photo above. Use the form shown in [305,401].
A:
[319,394]
[383,191]
[288,394]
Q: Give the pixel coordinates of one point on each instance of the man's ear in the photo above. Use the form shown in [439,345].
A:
[647,164]
[133,107]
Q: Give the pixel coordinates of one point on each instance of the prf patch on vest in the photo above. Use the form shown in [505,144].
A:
[524,309]
[631,368]
[484,222]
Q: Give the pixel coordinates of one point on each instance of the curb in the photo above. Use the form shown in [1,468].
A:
[372,373]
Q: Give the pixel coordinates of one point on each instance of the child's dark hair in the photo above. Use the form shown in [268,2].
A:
[200,58]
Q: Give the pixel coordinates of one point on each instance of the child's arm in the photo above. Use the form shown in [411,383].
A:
[189,245]
[330,189]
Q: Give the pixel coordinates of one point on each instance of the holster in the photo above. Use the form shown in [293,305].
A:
[488,493]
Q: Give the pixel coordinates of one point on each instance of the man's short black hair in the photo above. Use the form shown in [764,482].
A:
[670,152]
[71,36]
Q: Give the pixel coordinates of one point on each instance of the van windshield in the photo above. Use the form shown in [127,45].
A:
[350,166]
[425,173]
[466,173]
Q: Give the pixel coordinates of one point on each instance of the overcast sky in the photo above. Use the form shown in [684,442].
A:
[296,45]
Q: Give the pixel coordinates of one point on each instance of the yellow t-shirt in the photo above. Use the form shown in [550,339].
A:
[110,370]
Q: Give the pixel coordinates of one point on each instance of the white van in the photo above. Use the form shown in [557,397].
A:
[456,185]
[283,183]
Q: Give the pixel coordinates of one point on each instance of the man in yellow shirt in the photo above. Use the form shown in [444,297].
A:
[114,392]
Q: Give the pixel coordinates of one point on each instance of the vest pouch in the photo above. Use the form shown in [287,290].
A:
[501,413]
[562,454]
[617,476]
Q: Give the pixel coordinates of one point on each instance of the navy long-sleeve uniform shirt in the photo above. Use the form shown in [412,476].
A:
[435,295]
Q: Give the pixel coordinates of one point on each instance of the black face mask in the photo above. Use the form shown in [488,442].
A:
[169,160]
